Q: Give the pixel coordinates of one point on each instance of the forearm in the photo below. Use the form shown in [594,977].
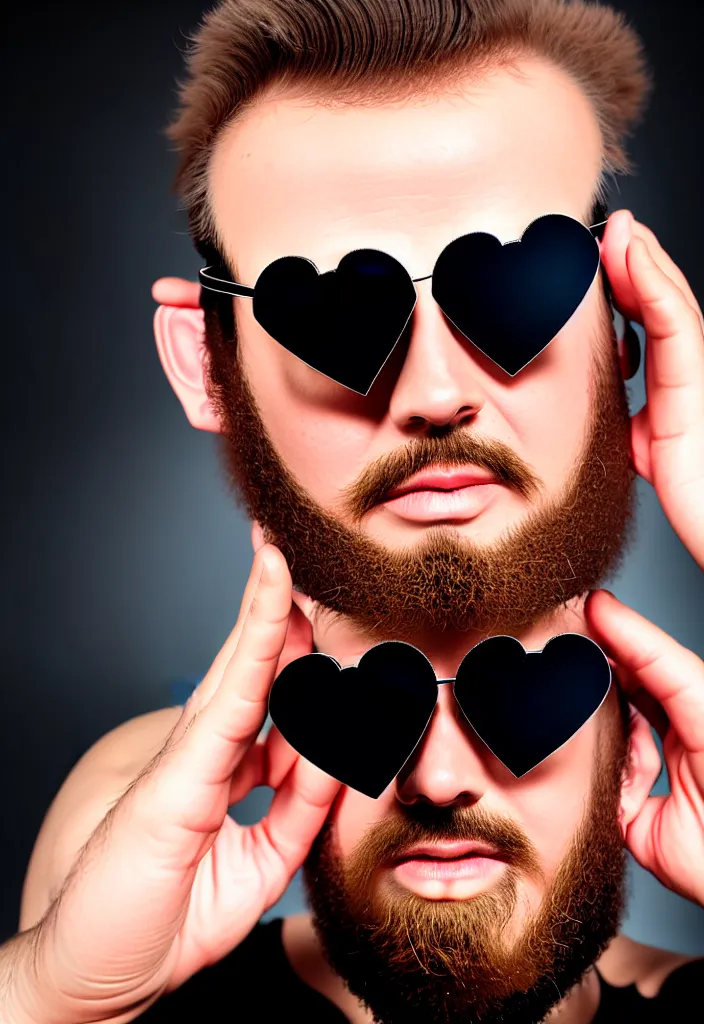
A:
[18,979]
[27,995]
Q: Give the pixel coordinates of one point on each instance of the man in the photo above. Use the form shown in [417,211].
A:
[529,508]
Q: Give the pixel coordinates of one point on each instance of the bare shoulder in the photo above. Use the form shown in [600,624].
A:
[627,962]
[94,784]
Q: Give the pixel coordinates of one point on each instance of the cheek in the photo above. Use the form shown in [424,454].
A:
[553,799]
[549,408]
[315,425]
[353,814]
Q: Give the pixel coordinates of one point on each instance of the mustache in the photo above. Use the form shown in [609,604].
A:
[421,824]
[457,448]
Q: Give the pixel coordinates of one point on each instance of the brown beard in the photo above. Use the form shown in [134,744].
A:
[412,961]
[446,582]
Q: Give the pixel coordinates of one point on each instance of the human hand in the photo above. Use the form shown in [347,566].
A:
[667,435]
[665,682]
[169,883]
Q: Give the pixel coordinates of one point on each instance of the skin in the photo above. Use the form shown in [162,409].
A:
[407,180]
[423,175]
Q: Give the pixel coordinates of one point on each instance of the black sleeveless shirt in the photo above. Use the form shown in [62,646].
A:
[256,982]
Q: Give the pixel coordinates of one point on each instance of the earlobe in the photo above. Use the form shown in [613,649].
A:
[643,770]
[179,333]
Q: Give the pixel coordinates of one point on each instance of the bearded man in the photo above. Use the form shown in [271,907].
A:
[416,481]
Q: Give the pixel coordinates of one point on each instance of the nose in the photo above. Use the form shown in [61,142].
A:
[449,765]
[439,384]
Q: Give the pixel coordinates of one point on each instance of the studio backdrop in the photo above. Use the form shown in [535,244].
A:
[124,555]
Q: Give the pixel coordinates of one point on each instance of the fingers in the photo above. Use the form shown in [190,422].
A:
[643,702]
[210,682]
[298,642]
[280,758]
[303,795]
[622,227]
[249,773]
[667,435]
[298,811]
[641,833]
[227,726]
[674,335]
[175,291]
[650,289]
[649,658]
[267,763]
[665,263]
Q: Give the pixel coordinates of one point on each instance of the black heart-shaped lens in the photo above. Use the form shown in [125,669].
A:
[511,300]
[361,724]
[525,705]
[344,323]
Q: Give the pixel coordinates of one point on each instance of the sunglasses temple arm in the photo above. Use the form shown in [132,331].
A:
[210,283]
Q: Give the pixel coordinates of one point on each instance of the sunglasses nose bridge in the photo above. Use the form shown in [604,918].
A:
[436,383]
[446,767]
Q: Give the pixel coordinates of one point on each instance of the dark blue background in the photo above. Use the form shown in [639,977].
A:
[123,556]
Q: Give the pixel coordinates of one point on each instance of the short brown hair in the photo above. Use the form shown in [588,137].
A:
[343,52]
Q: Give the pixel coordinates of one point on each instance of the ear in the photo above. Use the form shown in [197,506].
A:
[644,767]
[179,332]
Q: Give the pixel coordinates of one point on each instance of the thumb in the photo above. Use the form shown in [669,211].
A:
[299,636]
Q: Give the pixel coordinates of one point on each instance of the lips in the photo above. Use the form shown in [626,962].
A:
[443,480]
[448,851]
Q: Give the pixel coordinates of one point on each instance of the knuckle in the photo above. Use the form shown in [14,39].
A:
[266,637]
[267,608]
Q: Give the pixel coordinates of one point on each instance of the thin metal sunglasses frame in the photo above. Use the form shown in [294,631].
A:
[227,287]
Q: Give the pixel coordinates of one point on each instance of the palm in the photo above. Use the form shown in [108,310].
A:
[231,885]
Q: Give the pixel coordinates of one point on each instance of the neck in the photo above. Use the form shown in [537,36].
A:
[341,639]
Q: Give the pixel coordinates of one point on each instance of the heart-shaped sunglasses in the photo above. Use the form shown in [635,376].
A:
[510,300]
[361,724]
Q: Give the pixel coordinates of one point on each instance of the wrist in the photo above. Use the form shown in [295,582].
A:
[30,992]
[18,990]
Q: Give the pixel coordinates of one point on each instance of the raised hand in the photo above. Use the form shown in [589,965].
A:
[169,883]
[666,682]
[667,435]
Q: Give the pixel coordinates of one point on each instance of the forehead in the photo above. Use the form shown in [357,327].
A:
[296,177]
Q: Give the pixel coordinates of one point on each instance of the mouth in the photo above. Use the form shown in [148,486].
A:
[448,851]
[448,870]
[442,494]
